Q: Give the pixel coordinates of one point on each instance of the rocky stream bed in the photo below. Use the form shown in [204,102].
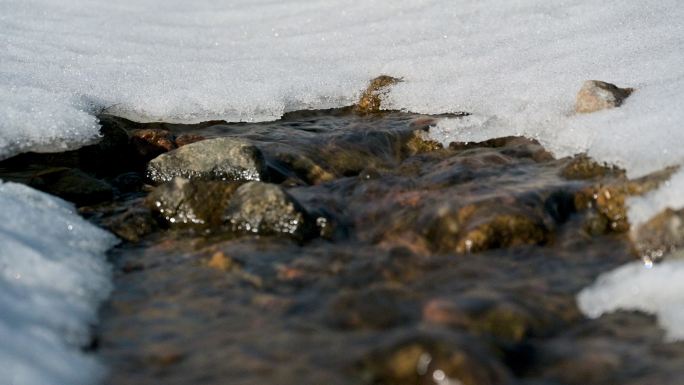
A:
[345,247]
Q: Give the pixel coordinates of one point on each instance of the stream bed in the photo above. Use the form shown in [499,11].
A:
[341,247]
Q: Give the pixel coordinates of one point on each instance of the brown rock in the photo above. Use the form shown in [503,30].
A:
[221,261]
[195,202]
[583,167]
[483,314]
[503,229]
[183,139]
[372,97]
[419,143]
[609,204]
[660,235]
[151,142]
[132,224]
[597,95]
[434,359]
[371,308]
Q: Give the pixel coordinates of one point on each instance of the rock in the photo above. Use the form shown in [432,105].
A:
[132,224]
[609,204]
[372,97]
[73,185]
[371,308]
[505,228]
[481,313]
[220,261]
[196,202]
[660,235]
[433,359]
[418,143]
[228,159]
[263,208]
[185,139]
[582,167]
[304,167]
[597,95]
[149,143]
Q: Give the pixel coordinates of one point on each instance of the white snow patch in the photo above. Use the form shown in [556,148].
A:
[657,290]
[53,275]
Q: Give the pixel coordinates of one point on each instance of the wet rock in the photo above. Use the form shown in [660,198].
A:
[263,208]
[213,159]
[582,167]
[220,261]
[305,168]
[418,143]
[484,313]
[196,202]
[185,139]
[73,185]
[660,235]
[372,97]
[128,182]
[609,205]
[586,361]
[485,229]
[151,142]
[132,224]
[433,359]
[370,308]
[597,95]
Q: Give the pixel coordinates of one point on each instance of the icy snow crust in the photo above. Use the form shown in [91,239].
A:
[53,275]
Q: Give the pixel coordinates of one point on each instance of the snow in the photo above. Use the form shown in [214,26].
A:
[515,65]
[53,275]
[656,290]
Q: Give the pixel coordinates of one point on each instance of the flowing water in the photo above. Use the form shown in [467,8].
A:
[421,265]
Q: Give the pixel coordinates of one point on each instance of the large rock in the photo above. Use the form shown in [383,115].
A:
[193,202]
[263,208]
[597,95]
[228,159]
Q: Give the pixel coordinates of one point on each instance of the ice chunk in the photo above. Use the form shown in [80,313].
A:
[53,275]
[658,290]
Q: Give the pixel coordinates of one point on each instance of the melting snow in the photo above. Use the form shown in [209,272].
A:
[53,274]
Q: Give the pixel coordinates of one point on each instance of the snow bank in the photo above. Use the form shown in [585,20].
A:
[657,290]
[517,64]
[53,275]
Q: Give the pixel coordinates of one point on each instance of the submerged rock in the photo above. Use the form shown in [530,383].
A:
[132,224]
[488,225]
[370,308]
[597,95]
[264,208]
[433,359]
[484,313]
[197,202]
[73,185]
[372,97]
[213,159]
